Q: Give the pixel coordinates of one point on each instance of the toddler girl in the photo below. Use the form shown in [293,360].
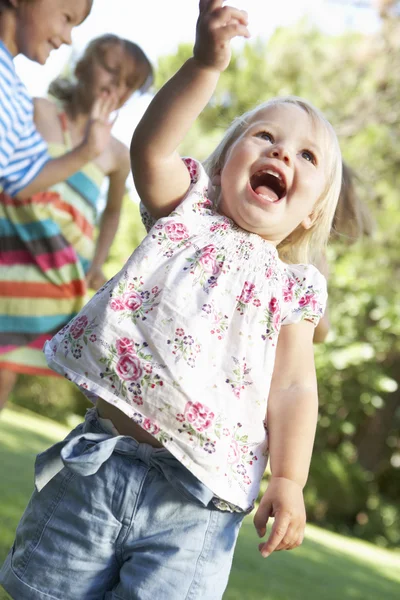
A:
[198,355]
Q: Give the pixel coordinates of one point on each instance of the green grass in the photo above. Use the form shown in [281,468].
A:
[326,567]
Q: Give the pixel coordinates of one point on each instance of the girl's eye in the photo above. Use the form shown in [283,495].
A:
[265,135]
[309,156]
[67,18]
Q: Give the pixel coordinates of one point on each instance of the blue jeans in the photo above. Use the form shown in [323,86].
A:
[118,520]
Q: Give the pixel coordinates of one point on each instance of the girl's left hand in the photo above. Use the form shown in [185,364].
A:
[95,278]
[284,501]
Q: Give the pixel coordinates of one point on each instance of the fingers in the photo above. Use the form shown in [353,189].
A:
[261,517]
[103,106]
[278,532]
[285,535]
[228,15]
[292,539]
[221,17]
[234,30]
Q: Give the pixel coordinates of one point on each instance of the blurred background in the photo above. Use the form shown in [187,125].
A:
[344,56]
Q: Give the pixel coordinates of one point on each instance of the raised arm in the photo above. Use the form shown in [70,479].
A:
[161,178]
[291,423]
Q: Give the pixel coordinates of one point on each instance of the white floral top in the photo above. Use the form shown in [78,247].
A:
[183,340]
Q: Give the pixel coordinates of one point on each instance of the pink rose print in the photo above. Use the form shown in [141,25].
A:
[248,292]
[208,261]
[78,326]
[198,415]
[176,232]
[124,345]
[151,427]
[288,291]
[273,305]
[304,301]
[132,300]
[128,367]
[192,168]
[308,299]
[234,453]
[117,304]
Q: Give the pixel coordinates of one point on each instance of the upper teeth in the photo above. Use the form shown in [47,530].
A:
[274,173]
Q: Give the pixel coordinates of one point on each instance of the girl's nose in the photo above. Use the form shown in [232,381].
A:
[66,35]
[280,152]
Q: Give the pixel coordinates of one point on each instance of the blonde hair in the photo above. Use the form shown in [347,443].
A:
[302,245]
[352,219]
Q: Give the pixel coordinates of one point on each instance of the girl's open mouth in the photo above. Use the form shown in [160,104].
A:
[268,184]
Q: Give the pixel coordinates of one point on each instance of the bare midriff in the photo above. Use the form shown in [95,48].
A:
[125,425]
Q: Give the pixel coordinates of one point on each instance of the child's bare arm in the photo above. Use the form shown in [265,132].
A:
[161,178]
[291,422]
[97,137]
[110,218]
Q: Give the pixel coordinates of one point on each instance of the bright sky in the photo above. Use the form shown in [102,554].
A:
[158,26]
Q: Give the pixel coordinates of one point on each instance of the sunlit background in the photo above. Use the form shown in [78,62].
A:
[159,26]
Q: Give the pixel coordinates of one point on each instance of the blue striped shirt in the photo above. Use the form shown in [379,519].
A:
[23,152]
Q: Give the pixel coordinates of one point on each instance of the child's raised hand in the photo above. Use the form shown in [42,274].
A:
[98,130]
[216,26]
[284,501]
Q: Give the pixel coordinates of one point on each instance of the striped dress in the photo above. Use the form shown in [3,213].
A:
[46,246]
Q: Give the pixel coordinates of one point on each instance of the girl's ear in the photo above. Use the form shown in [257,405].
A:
[308,221]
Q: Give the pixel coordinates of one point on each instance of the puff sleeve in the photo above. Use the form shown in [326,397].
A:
[198,182]
[304,295]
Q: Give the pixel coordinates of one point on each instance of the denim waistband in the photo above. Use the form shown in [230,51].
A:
[88,447]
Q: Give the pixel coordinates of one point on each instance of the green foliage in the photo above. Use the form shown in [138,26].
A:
[52,397]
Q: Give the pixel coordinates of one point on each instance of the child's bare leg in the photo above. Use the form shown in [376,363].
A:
[7,382]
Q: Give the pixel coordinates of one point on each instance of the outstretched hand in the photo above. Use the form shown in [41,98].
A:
[216,26]
[98,130]
[284,501]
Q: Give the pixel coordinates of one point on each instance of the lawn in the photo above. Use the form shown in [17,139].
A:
[326,567]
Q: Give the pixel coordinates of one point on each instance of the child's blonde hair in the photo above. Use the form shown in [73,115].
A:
[352,219]
[302,245]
